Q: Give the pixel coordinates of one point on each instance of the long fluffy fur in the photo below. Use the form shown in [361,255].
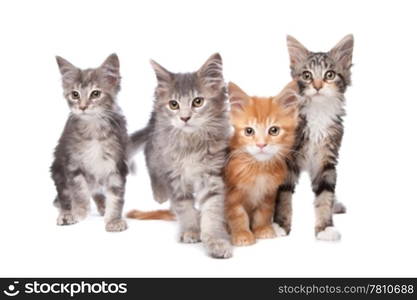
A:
[90,158]
[185,160]
[251,183]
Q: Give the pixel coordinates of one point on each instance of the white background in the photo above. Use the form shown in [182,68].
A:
[377,160]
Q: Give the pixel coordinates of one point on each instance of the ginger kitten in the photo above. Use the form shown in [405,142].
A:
[264,132]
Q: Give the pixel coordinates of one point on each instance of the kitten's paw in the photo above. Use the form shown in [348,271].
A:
[243,238]
[190,237]
[116,225]
[279,231]
[66,219]
[265,232]
[80,213]
[329,234]
[219,248]
[339,208]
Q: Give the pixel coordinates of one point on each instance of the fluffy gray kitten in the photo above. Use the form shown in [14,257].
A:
[322,79]
[185,148]
[90,159]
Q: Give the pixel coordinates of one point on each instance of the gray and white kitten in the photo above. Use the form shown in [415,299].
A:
[322,79]
[90,159]
[185,147]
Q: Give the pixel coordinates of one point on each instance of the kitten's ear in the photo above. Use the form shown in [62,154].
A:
[111,69]
[211,73]
[298,53]
[342,52]
[112,62]
[288,99]
[64,65]
[69,72]
[163,76]
[237,97]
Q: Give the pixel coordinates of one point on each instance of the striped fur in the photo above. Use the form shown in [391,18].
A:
[320,129]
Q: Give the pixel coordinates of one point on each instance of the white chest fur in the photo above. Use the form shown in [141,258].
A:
[95,153]
[321,112]
[190,168]
[94,159]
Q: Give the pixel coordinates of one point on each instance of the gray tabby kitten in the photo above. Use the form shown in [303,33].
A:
[90,159]
[185,148]
[322,79]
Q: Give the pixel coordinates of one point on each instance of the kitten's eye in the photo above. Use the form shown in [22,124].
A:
[95,94]
[274,130]
[307,76]
[75,95]
[198,102]
[329,75]
[249,131]
[174,105]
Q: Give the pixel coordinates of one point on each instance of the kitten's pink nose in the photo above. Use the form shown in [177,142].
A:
[261,145]
[185,119]
[318,84]
[83,107]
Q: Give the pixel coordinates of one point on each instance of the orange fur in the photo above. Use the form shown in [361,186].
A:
[151,215]
[252,183]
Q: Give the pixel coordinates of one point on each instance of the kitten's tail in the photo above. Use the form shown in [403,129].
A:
[161,214]
[136,141]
